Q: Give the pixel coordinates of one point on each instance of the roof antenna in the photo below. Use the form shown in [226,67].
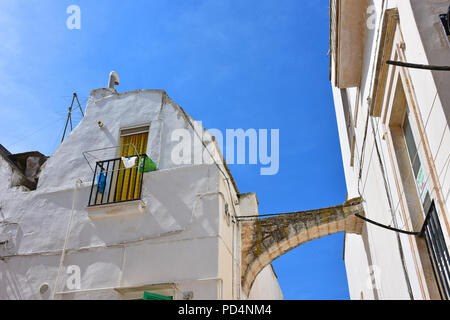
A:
[69,115]
[113,79]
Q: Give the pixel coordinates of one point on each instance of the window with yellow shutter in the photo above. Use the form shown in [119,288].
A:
[120,179]
[133,145]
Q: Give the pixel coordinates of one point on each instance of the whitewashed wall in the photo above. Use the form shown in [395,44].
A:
[182,236]
[264,287]
[378,247]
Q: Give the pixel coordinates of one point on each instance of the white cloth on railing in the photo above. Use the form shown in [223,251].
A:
[129,162]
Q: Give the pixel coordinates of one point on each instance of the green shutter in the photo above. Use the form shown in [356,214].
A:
[154,296]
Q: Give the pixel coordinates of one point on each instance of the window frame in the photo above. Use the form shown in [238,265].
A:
[399,100]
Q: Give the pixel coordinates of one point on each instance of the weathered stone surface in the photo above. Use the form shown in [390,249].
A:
[264,240]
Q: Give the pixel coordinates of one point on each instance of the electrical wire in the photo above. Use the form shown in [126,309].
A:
[60,116]
[387,227]
[256,217]
[418,66]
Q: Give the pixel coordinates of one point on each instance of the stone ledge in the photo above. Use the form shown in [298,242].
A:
[116,209]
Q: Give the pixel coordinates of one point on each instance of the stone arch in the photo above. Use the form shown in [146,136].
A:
[264,240]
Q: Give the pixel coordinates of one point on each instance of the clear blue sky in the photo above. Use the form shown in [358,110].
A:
[229,63]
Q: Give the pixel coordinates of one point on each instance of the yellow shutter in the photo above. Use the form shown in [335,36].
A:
[128,185]
[138,140]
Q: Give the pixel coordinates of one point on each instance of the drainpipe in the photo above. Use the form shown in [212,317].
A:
[233,267]
[238,248]
[66,240]
[236,254]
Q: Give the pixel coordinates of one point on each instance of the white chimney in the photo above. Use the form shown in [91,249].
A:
[113,79]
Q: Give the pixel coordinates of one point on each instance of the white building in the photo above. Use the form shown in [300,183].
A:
[174,235]
[394,131]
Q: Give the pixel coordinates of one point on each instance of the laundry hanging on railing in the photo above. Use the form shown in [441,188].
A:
[147,165]
[129,162]
[101,182]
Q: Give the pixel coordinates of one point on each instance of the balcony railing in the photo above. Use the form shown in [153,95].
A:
[117,180]
[438,252]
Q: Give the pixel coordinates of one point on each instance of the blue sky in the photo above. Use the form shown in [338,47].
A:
[230,63]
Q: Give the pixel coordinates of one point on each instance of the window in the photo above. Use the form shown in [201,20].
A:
[133,143]
[120,179]
[445,19]
[133,138]
[432,232]
[434,237]
[412,170]
[411,146]
[416,165]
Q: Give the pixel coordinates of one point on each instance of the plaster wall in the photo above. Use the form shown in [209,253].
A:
[230,248]
[378,247]
[182,237]
[11,177]
[265,286]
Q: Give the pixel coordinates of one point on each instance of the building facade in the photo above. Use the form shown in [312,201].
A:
[393,120]
[96,221]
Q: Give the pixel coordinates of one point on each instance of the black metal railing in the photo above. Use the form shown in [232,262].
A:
[438,251]
[113,182]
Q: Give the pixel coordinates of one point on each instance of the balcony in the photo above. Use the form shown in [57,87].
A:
[117,186]
[437,251]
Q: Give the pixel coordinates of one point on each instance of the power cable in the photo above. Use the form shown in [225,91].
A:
[418,66]
[256,217]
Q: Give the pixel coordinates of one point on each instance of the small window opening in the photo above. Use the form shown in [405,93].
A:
[445,19]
